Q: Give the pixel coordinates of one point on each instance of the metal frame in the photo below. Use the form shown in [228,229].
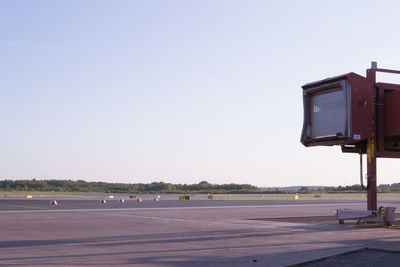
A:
[358,98]
[375,145]
[367,118]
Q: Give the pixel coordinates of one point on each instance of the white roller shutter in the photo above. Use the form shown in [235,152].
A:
[328,114]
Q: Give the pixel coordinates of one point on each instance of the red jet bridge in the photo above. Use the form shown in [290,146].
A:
[357,113]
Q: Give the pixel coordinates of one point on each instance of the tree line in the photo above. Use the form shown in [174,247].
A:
[161,187]
[383,188]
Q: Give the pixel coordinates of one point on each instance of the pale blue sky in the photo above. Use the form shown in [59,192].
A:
[180,91]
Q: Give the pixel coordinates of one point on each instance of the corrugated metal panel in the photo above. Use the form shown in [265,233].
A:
[328,114]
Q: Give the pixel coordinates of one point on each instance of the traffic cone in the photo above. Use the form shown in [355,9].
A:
[53,202]
[122,200]
[139,200]
[103,201]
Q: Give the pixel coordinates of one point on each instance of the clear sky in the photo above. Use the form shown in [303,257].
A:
[180,91]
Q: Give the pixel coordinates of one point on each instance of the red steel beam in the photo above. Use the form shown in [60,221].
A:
[388,71]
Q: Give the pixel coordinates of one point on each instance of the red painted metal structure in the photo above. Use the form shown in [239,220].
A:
[385,142]
[371,118]
[372,203]
[357,96]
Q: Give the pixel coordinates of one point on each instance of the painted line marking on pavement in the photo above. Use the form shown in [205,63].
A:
[235,223]
[180,208]
[25,206]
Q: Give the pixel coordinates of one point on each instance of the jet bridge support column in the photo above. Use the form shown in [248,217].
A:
[371,146]
[371,174]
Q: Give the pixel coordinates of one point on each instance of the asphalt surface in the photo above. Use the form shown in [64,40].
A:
[41,204]
[84,232]
[359,258]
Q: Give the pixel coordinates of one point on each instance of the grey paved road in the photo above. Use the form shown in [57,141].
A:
[179,233]
[32,204]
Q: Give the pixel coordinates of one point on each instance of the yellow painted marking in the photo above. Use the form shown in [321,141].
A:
[372,149]
[369,150]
